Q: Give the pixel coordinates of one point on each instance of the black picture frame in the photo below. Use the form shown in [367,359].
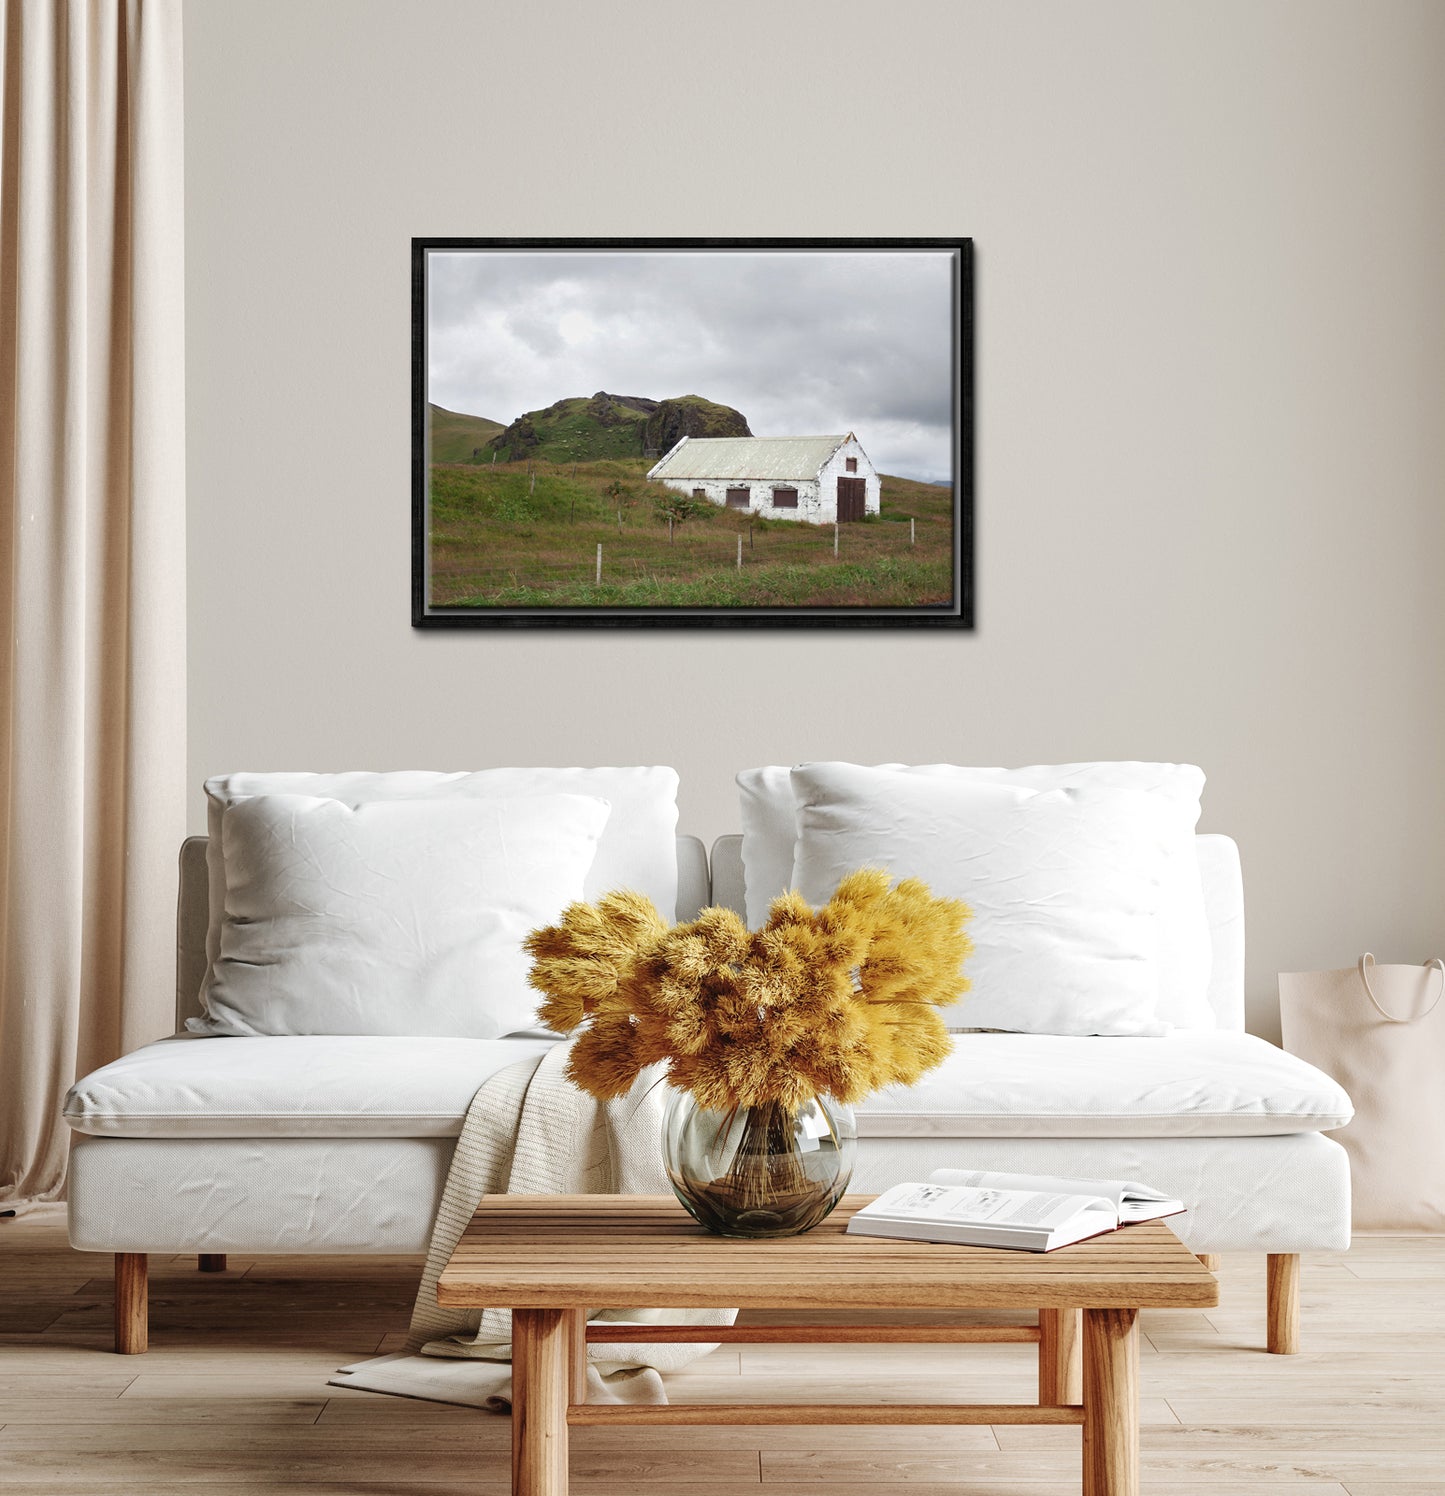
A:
[958,613]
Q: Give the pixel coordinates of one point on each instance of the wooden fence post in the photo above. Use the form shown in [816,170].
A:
[599,563]
[619,522]
[835,540]
[740,550]
[669,529]
[912,537]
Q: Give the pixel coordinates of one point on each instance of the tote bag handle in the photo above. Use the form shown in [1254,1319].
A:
[1367,961]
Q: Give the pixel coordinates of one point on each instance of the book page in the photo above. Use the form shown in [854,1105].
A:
[1018,1209]
[1104,1189]
[1133,1202]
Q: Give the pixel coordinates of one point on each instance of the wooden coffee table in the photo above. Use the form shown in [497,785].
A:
[550,1258]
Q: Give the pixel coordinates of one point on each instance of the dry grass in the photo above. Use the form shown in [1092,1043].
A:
[504,537]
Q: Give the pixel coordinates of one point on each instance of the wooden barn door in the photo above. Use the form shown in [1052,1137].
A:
[852,499]
[740,498]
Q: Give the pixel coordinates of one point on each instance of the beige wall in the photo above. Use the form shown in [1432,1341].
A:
[1211,377]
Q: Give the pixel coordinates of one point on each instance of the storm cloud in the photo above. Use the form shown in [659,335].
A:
[802,343]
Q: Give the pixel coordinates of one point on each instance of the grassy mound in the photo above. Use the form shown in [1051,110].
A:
[601,426]
[455,436]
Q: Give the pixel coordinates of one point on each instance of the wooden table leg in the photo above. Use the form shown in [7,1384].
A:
[1111,1402]
[541,1384]
[577,1354]
[519,1399]
[1061,1379]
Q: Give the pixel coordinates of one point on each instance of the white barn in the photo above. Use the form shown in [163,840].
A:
[818,479]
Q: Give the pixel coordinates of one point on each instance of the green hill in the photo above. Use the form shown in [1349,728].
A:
[691,415]
[604,427]
[455,437]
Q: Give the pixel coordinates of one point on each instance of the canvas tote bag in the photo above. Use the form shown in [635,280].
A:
[1380,1032]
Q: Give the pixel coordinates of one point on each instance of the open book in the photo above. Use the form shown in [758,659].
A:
[1029,1212]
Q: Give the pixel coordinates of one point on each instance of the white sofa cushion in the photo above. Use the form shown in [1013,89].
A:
[769,826]
[1064,886]
[291,1087]
[637,850]
[993,1085]
[1213,1085]
[392,917]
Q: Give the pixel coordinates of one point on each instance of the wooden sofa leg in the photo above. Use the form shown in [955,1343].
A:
[1061,1366]
[211,1262]
[132,1318]
[1283,1303]
[1210,1260]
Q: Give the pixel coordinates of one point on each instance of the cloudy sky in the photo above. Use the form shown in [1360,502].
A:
[802,344]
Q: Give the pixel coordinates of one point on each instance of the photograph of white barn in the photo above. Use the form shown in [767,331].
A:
[818,479]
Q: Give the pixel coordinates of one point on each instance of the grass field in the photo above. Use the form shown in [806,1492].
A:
[454,436]
[504,537]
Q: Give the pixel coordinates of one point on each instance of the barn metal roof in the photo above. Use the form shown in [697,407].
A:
[764,457]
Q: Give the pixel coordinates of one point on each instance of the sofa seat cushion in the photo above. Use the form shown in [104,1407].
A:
[292,1087]
[1190,1084]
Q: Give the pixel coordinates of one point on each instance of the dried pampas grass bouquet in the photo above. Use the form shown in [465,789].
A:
[767,1036]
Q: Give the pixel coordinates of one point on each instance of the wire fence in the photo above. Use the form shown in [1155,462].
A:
[532,531]
[630,554]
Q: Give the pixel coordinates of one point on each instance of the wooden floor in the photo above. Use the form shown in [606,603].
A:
[232,1397]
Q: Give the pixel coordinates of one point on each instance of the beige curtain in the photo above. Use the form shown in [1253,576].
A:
[92,551]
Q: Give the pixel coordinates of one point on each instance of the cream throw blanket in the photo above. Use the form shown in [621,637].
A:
[530,1131]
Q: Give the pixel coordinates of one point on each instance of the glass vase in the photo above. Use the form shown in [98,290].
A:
[763,1170]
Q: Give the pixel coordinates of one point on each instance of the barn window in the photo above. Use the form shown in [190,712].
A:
[852,464]
[739,498]
[699,493]
[785,498]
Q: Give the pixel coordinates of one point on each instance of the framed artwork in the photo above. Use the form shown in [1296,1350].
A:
[765,433]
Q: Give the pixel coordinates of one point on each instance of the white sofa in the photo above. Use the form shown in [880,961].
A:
[341,1145]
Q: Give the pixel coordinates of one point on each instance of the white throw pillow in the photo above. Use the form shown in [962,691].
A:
[1064,885]
[401,917]
[638,848]
[769,825]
